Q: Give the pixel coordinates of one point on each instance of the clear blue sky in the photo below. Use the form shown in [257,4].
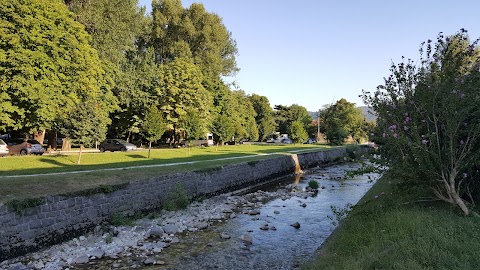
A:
[314,52]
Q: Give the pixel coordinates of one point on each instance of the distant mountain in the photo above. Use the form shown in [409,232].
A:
[367,113]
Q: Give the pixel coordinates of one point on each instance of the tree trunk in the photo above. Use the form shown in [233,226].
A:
[149,148]
[39,136]
[66,145]
[80,154]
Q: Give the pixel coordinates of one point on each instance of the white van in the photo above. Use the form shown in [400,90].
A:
[207,141]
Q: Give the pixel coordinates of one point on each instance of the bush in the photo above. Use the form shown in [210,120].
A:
[313,184]
[428,125]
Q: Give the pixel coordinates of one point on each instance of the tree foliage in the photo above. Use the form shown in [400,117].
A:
[180,91]
[429,119]
[340,120]
[153,126]
[47,67]
[264,116]
[297,132]
[193,33]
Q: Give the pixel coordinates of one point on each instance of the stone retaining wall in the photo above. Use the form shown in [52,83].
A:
[59,218]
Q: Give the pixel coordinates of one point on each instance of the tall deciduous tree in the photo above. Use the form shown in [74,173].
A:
[297,132]
[340,120]
[193,33]
[153,126]
[47,67]
[180,91]
[264,118]
[286,115]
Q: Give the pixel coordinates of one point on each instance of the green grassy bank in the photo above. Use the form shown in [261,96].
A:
[97,169]
[393,229]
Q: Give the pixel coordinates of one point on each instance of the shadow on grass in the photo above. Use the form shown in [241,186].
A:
[53,162]
[140,160]
[136,156]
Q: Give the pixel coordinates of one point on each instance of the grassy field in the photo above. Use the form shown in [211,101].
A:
[120,167]
[397,230]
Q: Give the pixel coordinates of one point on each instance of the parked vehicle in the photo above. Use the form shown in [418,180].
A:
[206,141]
[116,145]
[3,148]
[310,141]
[20,146]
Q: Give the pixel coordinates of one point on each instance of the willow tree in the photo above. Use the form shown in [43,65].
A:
[47,67]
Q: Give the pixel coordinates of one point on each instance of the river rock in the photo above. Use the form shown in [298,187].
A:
[296,225]
[247,239]
[303,205]
[264,227]
[39,265]
[254,212]
[155,232]
[224,235]
[276,212]
[149,261]
[272,228]
[81,259]
[17,266]
[170,229]
[97,253]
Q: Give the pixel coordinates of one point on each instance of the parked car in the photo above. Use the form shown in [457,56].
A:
[310,141]
[287,141]
[116,145]
[20,146]
[3,148]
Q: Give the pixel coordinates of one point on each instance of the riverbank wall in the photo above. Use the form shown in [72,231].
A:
[36,223]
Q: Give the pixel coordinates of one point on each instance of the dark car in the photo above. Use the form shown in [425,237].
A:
[116,145]
[19,146]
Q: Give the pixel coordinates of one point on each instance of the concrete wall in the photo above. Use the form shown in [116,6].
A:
[59,218]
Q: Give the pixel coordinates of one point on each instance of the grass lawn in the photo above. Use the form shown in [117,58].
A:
[95,167]
[397,231]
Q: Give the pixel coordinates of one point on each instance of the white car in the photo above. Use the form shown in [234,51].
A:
[3,148]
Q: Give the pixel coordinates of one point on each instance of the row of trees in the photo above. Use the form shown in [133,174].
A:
[86,69]
[91,69]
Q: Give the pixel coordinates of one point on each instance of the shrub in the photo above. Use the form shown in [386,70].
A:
[428,125]
[313,184]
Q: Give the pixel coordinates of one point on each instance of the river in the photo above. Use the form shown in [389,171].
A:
[283,248]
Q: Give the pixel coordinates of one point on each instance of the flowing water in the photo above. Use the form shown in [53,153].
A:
[286,247]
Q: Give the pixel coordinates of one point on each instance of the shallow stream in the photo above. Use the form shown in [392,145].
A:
[283,248]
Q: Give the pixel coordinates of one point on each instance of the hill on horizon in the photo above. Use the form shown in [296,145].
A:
[366,112]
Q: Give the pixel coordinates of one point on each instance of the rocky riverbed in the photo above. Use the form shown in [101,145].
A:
[199,236]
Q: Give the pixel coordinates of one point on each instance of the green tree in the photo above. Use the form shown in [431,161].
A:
[192,127]
[297,132]
[428,125]
[340,120]
[193,33]
[47,67]
[286,115]
[264,116]
[119,31]
[223,129]
[153,126]
[180,91]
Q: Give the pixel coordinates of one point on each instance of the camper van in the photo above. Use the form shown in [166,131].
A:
[207,141]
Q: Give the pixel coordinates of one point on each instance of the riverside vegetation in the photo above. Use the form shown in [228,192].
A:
[422,214]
